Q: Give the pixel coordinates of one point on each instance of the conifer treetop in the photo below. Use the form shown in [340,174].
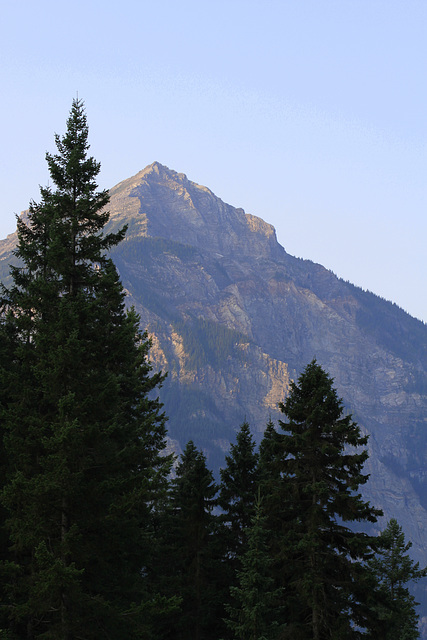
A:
[63,238]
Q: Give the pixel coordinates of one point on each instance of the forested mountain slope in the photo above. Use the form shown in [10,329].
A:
[233,318]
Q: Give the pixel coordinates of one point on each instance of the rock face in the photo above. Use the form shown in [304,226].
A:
[233,318]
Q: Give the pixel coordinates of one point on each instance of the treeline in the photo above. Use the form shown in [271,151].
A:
[269,552]
[101,536]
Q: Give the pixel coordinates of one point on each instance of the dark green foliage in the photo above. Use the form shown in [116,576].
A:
[237,493]
[82,433]
[255,608]
[270,467]
[238,488]
[94,540]
[394,570]
[191,558]
[275,498]
[6,356]
[318,559]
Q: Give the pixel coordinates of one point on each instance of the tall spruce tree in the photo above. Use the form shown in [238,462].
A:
[81,430]
[394,570]
[191,558]
[238,489]
[271,481]
[277,510]
[237,494]
[319,560]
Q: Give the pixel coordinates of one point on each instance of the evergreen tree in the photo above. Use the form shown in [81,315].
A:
[269,455]
[6,356]
[319,560]
[191,559]
[81,430]
[255,608]
[394,569]
[237,493]
[271,482]
[238,488]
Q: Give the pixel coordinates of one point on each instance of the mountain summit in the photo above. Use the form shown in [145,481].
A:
[233,318]
[168,205]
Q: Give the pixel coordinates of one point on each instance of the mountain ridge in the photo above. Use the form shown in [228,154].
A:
[291,310]
[233,318]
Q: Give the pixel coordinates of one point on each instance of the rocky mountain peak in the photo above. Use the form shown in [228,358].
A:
[234,318]
[160,202]
[157,171]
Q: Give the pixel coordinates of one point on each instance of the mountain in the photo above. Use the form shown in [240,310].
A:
[234,318]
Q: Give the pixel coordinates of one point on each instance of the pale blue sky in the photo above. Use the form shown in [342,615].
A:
[309,114]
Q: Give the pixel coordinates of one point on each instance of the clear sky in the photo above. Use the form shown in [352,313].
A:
[308,113]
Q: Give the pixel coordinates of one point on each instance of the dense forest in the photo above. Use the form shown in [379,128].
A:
[104,535]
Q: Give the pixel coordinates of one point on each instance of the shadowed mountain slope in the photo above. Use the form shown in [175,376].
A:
[233,318]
